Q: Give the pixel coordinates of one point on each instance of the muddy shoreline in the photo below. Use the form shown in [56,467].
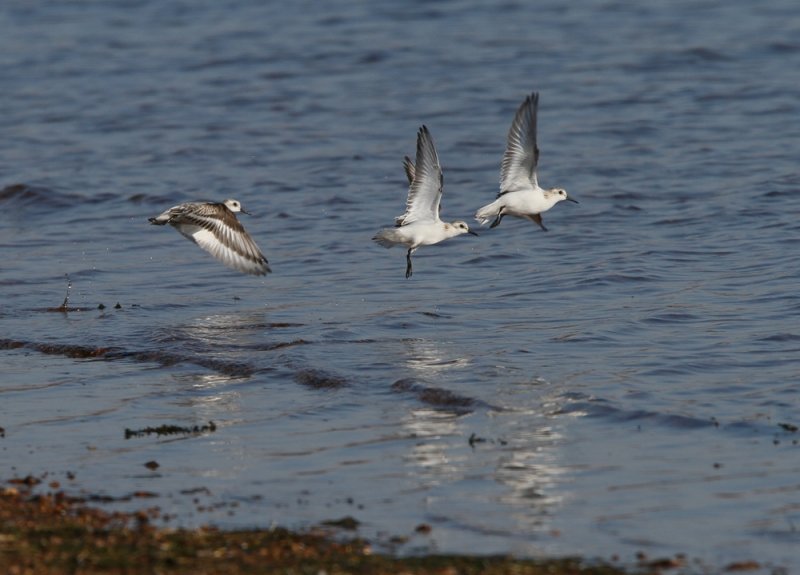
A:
[43,529]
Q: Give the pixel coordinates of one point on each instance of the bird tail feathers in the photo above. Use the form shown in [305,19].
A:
[386,237]
[487,213]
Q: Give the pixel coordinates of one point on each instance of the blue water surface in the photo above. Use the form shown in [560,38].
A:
[624,383]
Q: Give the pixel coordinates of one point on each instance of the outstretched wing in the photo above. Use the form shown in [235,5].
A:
[425,191]
[215,228]
[521,157]
[408,166]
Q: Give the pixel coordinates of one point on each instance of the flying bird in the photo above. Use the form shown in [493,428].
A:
[520,194]
[214,227]
[420,224]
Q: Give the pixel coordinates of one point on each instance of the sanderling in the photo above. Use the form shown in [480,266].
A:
[520,194]
[213,226]
[420,224]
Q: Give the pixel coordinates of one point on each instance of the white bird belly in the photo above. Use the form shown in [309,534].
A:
[424,234]
[524,203]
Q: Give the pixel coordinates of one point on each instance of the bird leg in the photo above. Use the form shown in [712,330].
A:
[496,221]
[408,263]
[538,219]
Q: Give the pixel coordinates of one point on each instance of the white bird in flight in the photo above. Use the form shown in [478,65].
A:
[520,194]
[420,224]
[214,227]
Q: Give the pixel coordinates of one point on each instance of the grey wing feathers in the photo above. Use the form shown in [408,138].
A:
[521,157]
[408,166]
[425,191]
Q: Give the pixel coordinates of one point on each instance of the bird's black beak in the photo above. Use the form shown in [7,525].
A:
[574,201]
[470,232]
[245,211]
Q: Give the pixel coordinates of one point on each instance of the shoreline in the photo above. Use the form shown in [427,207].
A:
[53,532]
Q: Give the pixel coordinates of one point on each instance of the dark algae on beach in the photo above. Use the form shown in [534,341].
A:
[55,533]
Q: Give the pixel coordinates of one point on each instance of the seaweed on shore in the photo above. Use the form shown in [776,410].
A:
[54,533]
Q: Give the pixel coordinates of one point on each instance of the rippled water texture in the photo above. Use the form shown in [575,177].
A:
[627,381]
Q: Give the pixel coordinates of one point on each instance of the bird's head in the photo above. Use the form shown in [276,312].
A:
[559,195]
[460,227]
[235,206]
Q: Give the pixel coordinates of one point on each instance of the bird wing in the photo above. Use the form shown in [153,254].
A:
[521,157]
[408,167]
[425,191]
[219,233]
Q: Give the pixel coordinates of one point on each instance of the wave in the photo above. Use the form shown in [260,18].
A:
[443,399]
[163,358]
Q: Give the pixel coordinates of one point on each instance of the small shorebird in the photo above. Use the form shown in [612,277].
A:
[520,194]
[213,226]
[420,224]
